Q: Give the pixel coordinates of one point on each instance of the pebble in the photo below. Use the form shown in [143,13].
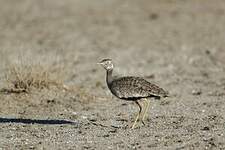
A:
[196,92]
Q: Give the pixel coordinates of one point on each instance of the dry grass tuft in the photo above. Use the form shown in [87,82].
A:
[24,77]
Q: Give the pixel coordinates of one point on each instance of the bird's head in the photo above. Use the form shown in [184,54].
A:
[107,64]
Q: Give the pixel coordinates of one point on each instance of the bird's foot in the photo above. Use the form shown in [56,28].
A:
[135,124]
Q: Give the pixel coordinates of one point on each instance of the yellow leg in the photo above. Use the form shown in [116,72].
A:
[135,122]
[146,110]
[138,115]
[145,107]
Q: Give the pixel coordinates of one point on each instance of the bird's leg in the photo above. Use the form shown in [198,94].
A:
[145,111]
[138,115]
[145,107]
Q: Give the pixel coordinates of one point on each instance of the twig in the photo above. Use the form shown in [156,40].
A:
[9,91]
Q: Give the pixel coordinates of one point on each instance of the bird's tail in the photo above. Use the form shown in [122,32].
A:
[165,93]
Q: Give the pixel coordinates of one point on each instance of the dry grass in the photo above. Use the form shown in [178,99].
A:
[24,77]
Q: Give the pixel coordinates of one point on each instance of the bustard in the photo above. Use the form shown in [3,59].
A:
[132,89]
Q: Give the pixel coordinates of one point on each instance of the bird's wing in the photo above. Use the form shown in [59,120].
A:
[153,89]
[131,87]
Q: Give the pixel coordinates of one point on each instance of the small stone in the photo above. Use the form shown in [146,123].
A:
[196,92]
[74,113]
[84,117]
[205,128]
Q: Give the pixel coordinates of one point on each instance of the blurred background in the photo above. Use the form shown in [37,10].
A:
[157,35]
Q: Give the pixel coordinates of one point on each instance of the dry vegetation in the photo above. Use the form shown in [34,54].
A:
[23,77]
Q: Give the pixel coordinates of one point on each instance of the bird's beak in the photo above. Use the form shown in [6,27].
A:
[99,63]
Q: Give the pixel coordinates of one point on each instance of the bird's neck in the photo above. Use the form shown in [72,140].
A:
[109,76]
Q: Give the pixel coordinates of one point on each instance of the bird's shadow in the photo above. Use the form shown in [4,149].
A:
[37,121]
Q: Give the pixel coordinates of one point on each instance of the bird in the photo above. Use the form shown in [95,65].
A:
[132,88]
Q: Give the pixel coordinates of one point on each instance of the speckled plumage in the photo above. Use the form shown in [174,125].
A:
[131,88]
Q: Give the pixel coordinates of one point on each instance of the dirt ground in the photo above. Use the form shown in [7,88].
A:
[177,44]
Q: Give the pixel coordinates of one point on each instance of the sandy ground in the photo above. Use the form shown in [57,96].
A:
[176,44]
